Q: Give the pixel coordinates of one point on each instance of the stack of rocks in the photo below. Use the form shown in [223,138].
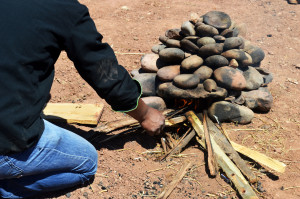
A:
[208,58]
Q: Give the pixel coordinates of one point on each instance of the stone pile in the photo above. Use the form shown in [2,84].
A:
[208,58]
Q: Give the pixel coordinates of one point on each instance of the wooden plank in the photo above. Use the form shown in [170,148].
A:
[73,113]
[260,158]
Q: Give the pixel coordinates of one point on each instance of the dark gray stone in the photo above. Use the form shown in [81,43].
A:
[210,49]
[163,39]
[186,81]
[188,28]
[170,91]
[256,53]
[149,82]
[173,43]
[171,55]
[258,100]
[227,33]
[232,42]
[204,30]
[228,112]
[216,61]
[217,19]
[243,58]
[189,46]
[253,78]
[219,38]
[267,75]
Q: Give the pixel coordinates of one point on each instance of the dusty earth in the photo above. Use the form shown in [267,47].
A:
[126,170]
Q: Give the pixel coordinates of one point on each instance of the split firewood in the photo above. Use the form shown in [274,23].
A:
[170,187]
[232,172]
[223,142]
[163,144]
[210,154]
[129,122]
[223,160]
[185,139]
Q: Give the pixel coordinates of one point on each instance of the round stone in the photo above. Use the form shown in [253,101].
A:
[186,81]
[205,40]
[228,112]
[253,78]
[168,73]
[210,85]
[219,38]
[233,42]
[163,39]
[156,48]
[204,72]
[150,62]
[210,49]
[227,33]
[188,28]
[191,63]
[216,61]
[233,63]
[204,30]
[173,43]
[242,57]
[230,78]
[155,102]
[174,34]
[189,46]
[217,19]
[171,55]
[256,53]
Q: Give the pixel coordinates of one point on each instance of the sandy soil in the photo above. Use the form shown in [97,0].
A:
[134,27]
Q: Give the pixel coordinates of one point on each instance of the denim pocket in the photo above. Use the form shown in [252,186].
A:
[8,169]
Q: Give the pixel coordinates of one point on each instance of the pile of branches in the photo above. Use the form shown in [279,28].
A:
[222,153]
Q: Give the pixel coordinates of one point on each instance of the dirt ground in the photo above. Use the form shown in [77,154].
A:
[126,170]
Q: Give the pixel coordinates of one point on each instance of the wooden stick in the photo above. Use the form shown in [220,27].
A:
[163,144]
[170,187]
[260,158]
[232,172]
[223,142]
[225,163]
[181,143]
[118,124]
[210,154]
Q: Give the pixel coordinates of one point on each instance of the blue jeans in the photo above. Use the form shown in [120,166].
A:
[60,159]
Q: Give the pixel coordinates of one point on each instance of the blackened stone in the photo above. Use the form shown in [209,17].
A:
[170,91]
[204,30]
[171,55]
[188,28]
[210,85]
[173,43]
[227,33]
[148,82]
[228,112]
[258,100]
[205,40]
[253,78]
[217,19]
[233,42]
[210,49]
[216,61]
[186,81]
[243,58]
[189,46]
[256,53]
[267,75]
[156,48]
[230,78]
[219,38]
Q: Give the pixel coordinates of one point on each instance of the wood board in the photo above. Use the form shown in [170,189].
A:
[73,113]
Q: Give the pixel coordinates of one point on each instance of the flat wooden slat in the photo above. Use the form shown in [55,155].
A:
[73,113]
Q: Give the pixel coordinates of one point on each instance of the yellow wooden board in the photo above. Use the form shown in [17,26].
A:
[73,113]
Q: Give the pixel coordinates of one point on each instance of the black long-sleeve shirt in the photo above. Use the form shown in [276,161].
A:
[32,35]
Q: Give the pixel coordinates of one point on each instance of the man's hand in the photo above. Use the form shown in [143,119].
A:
[150,119]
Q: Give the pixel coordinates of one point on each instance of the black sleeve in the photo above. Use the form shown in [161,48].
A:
[97,64]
